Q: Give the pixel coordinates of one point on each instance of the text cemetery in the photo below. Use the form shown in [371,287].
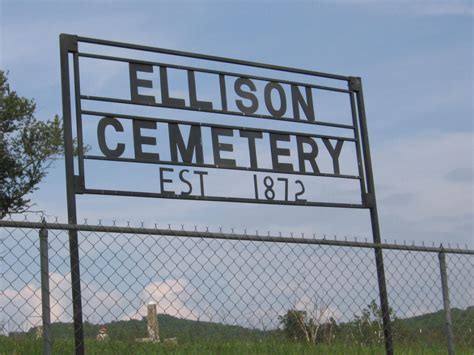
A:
[256,134]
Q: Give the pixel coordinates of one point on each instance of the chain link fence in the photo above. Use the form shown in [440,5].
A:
[232,287]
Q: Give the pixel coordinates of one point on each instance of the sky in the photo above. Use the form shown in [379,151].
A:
[414,57]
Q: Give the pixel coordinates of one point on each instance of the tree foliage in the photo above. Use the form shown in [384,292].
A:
[368,326]
[311,326]
[27,148]
[291,323]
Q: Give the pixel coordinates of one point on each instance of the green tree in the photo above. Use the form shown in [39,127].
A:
[27,149]
[367,328]
[310,326]
[291,323]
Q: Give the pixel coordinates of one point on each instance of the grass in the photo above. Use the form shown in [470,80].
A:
[13,346]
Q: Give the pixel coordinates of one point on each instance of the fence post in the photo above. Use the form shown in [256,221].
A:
[447,307]
[45,305]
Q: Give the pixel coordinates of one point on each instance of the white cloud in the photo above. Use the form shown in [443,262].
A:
[21,308]
[170,297]
[320,310]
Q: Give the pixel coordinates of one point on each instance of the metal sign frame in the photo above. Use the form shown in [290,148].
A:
[75,180]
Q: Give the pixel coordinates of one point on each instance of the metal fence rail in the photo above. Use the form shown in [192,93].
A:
[220,280]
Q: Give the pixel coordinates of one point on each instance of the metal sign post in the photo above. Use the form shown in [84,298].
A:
[68,44]
[371,203]
[193,150]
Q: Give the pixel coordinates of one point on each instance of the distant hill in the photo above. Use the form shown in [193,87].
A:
[169,326]
[426,327]
[431,321]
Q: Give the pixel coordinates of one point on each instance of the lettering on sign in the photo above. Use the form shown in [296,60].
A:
[200,133]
